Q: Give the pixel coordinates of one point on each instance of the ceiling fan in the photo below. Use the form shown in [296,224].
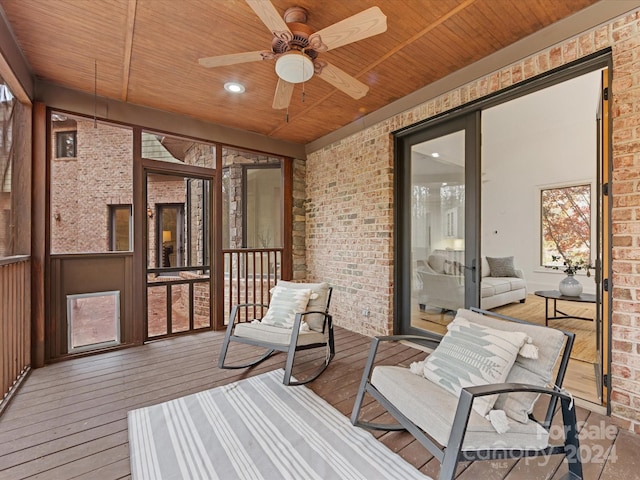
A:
[295,47]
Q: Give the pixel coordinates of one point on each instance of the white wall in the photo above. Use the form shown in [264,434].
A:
[544,139]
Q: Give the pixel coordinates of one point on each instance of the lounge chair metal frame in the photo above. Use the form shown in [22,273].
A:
[452,453]
[290,349]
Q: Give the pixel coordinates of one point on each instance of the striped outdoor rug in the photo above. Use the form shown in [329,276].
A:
[256,429]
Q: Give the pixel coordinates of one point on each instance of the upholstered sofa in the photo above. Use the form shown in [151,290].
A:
[442,282]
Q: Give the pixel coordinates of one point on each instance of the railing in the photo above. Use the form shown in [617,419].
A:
[192,286]
[15,335]
[249,274]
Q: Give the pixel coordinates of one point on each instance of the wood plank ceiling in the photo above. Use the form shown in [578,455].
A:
[147,53]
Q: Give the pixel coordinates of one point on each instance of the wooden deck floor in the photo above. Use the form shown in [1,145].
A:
[69,420]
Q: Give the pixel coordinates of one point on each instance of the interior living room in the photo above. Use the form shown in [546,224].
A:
[532,129]
[161,165]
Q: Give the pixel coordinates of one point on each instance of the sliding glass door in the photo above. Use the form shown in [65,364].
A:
[437,215]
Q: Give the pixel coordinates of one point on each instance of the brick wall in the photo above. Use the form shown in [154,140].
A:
[350,213]
[83,186]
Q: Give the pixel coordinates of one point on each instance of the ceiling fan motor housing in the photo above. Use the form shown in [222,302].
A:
[296,57]
[298,39]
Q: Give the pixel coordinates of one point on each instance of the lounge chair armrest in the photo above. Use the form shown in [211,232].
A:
[497,388]
[429,337]
[468,394]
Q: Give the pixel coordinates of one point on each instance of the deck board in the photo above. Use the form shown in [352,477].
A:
[69,419]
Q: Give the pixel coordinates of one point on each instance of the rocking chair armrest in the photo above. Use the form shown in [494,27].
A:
[327,317]
[308,312]
[234,312]
[240,305]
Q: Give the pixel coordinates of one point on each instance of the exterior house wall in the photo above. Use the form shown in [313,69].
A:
[349,206]
[83,186]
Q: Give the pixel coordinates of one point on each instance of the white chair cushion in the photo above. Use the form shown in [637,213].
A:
[471,354]
[276,335]
[433,409]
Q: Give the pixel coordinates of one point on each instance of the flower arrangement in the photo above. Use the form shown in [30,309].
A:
[570,266]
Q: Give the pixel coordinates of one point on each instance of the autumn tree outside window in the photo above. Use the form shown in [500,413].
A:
[566,223]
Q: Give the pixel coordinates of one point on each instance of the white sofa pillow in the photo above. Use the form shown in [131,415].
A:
[486,271]
[436,262]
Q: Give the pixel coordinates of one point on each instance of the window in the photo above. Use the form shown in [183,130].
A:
[263,212]
[66,144]
[120,228]
[566,223]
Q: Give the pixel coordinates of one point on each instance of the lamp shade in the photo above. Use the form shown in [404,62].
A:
[166,235]
[294,67]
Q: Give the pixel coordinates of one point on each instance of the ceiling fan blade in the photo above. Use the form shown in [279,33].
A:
[231,59]
[269,15]
[343,81]
[362,25]
[282,97]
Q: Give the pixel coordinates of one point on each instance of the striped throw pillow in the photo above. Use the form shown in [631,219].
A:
[471,354]
[285,303]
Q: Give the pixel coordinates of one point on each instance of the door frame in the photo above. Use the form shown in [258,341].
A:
[402,291]
[469,122]
[141,168]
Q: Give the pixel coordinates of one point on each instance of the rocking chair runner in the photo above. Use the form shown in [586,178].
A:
[450,428]
[319,333]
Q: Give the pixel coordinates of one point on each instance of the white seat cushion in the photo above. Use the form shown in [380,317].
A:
[277,335]
[491,286]
[433,409]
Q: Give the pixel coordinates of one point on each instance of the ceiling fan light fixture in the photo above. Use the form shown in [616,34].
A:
[294,67]
[234,87]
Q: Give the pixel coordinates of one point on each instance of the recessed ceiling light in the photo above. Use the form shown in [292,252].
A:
[234,87]
[435,154]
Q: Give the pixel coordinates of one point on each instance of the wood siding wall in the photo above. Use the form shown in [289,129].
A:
[15,337]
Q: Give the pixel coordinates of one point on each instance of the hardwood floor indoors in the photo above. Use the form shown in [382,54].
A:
[69,420]
[581,380]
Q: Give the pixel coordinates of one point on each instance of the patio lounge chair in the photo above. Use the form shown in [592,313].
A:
[450,426]
[297,319]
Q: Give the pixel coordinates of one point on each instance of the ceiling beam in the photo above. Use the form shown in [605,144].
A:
[84,103]
[128,46]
